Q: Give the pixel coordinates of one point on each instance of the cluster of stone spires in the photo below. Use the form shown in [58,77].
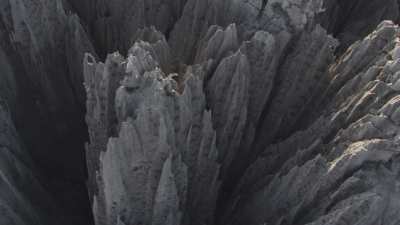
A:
[256,115]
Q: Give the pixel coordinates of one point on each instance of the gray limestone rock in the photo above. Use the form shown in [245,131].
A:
[165,135]
[351,152]
[301,138]
[199,112]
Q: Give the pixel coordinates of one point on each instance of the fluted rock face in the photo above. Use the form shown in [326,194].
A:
[161,167]
[240,112]
[343,167]
[41,48]
[263,127]
[41,51]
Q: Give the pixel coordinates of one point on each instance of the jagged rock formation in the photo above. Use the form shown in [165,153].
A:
[312,133]
[167,138]
[343,167]
[215,112]
[41,51]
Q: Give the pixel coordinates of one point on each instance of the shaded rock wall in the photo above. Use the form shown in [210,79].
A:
[113,24]
[42,74]
[23,199]
[352,20]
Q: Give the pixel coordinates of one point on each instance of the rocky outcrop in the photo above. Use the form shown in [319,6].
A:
[350,151]
[297,137]
[212,112]
[171,171]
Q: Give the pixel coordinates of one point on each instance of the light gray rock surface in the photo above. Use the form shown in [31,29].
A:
[301,139]
[342,168]
[161,166]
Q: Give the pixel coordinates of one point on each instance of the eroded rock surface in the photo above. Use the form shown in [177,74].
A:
[41,51]
[240,112]
[299,138]
[343,167]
